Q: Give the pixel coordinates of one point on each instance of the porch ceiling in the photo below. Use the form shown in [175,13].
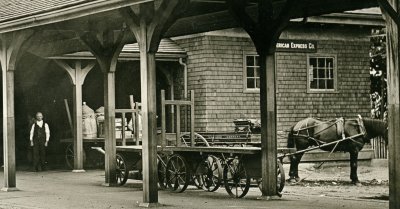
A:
[56,22]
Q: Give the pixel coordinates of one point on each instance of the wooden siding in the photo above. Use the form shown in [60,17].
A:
[215,71]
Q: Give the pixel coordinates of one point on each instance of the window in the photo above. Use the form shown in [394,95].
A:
[321,73]
[252,72]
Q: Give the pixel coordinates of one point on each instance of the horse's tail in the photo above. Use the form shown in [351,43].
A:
[291,141]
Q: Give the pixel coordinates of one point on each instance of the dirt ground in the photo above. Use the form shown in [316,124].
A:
[327,187]
[332,180]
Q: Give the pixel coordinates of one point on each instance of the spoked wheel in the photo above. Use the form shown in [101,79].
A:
[212,177]
[280,178]
[236,180]
[70,156]
[122,170]
[177,173]
[198,181]
[161,170]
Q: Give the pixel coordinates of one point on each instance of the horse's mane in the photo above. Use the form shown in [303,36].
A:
[376,125]
[375,122]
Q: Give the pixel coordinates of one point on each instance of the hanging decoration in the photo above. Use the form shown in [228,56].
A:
[378,75]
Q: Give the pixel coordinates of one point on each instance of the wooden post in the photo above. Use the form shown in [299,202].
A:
[163,135]
[137,122]
[123,130]
[390,9]
[178,125]
[268,119]
[265,33]
[11,48]
[134,115]
[148,26]
[172,113]
[77,75]
[149,121]
[106,48]
[78,129]
[191,117]
[109,128]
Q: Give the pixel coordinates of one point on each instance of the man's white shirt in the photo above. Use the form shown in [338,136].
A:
[40,124]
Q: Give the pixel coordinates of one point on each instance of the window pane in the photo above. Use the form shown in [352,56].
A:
[250,72]
[321,73]
[257,83]
[321,62]
[330,84]
[329,63]
[257,61]
[321,84]
[313,84]
[313,62]
[331,73]
[250,60]
[250,83]
[257,72]
[315,74]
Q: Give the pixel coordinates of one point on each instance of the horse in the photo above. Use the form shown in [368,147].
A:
[354,132]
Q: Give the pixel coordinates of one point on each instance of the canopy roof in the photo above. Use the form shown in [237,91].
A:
[168,51]
[56,21]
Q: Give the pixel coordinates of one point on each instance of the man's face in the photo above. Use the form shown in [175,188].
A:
[39,116]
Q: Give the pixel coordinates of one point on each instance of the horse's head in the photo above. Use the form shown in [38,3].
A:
[376,128]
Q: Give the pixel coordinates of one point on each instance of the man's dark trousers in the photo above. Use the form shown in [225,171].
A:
[39,148]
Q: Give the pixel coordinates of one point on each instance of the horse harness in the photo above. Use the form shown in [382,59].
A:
[340,130]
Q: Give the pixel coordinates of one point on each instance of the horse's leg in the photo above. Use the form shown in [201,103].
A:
[294,167]
[353,166]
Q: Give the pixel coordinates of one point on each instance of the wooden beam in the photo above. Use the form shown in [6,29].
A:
[77,75]
[163,120]
[191,118]
[106,46]
[265,30]
[393,67]
[10,49]
[148,27]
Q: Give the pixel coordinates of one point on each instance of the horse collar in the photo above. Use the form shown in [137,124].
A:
[361,125]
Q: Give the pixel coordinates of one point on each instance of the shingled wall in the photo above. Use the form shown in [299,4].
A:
[215,71]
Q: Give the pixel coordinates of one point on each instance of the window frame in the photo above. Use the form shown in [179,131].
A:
[245,89]
[335,74]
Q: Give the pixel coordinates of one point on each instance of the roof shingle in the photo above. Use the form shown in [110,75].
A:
[13,9]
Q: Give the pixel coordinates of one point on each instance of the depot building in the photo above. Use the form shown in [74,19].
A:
[322,71]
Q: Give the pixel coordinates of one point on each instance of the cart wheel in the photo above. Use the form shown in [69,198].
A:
[280,177]
[212,177]
[122,170]
[70,156]
[161,168]
[198,181]
[177,173]
[236,180]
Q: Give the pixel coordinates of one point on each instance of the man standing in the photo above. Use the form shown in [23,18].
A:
[39,137]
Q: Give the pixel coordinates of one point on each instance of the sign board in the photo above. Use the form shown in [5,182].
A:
[296,46]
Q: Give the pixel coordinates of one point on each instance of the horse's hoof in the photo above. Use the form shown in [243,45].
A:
[357,183]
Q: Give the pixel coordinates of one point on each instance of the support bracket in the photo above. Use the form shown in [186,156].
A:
[393,14]
[264,31]
[76,74]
